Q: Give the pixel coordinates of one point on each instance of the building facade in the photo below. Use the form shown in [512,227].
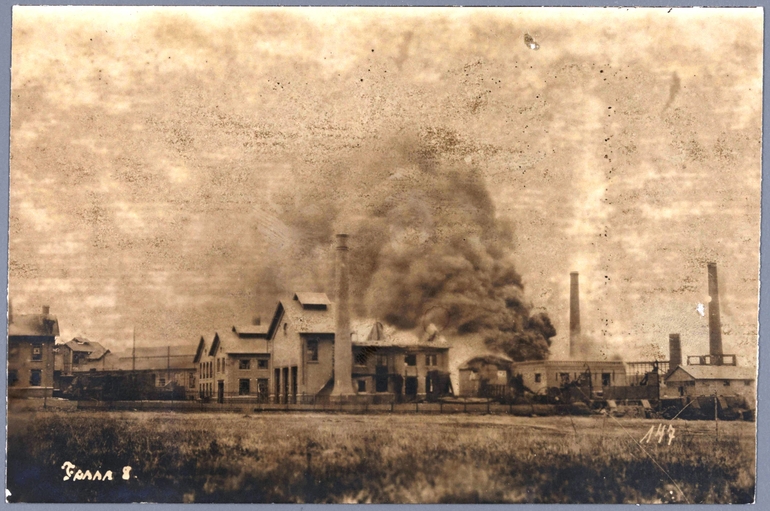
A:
[388,364]
[540,375]
[482,371]
[234,365]
[31,338]
[711,380]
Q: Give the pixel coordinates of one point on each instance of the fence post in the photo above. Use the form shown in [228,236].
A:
[440,407]
[416,407]
[488,401]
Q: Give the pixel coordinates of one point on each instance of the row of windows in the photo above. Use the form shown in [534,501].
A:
[206,368]
[37,352]
[35,377]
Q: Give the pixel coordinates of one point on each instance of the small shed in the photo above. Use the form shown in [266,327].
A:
[482,371]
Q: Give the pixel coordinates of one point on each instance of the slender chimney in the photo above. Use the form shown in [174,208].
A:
[715,324]
[575,348]
[343,348]
[674,352]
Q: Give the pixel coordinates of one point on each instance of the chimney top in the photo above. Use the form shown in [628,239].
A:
[573,273]
[342,242]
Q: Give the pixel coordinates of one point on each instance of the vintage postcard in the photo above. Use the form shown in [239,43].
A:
[384,255]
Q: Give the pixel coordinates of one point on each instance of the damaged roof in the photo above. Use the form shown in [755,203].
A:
[369,333]
[33,325]
[489,359]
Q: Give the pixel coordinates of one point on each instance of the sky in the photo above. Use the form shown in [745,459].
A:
[155,151]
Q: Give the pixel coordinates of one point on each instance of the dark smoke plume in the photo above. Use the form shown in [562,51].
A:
[424,235]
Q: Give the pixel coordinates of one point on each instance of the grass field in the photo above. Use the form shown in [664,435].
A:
[207,457]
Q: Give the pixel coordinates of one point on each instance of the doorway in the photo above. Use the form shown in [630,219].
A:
[410,386]
[220,392]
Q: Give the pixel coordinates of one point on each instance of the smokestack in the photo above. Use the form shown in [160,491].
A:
[343,348]
[674,352]
[715,324]
[46,310]
[575,347]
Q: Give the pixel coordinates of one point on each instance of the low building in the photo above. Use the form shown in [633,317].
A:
[234,365]
[31,338]
[709,380]
[484,372]
[540,375]
[146,372]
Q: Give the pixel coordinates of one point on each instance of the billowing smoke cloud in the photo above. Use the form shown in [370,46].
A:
[424,237]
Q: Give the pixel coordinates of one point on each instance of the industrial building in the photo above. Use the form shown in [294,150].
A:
[480,375]
[31,338]
[234,365]
[318,354]
[87,370]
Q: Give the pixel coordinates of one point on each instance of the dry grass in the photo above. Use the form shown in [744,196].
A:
[396,459]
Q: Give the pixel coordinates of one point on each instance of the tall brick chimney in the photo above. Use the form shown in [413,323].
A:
[674,352]
[715,324]
[575,344]
[343,347]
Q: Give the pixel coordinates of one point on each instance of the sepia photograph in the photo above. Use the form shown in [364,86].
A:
[383,255]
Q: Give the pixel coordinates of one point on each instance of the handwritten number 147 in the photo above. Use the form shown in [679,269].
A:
[660,433]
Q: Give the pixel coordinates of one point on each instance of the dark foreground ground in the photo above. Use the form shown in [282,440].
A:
[284,457]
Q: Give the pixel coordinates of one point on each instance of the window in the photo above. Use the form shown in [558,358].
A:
[689,384]
[538,377]
[262,363]
[244,363]
[747,382]
[243,387]
[161,382]
[35,377]
[430,359]
[312,350]
[606,379]
[200,369]
[727,383]
[382,360]
[502,375]
[361,385]
[428,384]
[285,329]
[564,377]
[13,377]
[37,352]
[362,355]
[191,380]
[411,360]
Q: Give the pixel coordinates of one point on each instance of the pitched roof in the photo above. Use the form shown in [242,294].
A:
[490,359]
[709,372]
[308,321]
[82,345]
[375,334]
[201,349]
[38,325]
[251,330]
[307,298]
[235,344]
